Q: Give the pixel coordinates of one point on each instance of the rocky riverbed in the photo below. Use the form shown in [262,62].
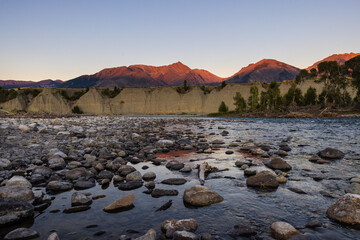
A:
[99,177]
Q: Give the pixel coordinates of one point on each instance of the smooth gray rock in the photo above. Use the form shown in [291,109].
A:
[17,192]
[78,198]
[21,233]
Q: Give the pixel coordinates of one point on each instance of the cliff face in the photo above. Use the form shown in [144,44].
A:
[156,100]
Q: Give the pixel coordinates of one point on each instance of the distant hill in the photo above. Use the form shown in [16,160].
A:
[339,58]
[19,84]
[144,76]
[266,70]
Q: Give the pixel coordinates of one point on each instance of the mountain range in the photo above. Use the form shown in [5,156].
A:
[266,70]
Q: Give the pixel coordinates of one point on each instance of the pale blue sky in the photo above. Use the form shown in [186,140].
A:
[65,39]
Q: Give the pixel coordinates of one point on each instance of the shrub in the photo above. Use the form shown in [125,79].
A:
[33,91]
[76,109]
[111,93]
[6,95]
[223,108]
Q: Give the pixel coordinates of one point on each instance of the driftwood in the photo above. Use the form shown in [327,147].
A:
[204,169]
[165,206]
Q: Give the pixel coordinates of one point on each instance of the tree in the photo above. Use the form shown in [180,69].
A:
[310,96]
[298,97]
[332,75]
[352,68]
[253,100]
[223,108]
[274,98]
[223,84]
[239,102]
[186,87]
[76,109]
[302,75]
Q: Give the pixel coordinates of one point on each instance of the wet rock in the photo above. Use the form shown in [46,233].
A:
[78,198]
[249,172]
[150,185]
[156,193]
[346,210]
[21,233]
[125,170]
[229,152]
[17,192]
[241,230]
[134,176]
[169,227]
[174,181]
[77,209]
[12,211]
[175,165]
[53,236]
[355,180]
[281,179]
[331,153]
[262,179]
[186,169]
[77,173]
[19,181]
[240,163]
[59,186]
[80,185]
[105,175]
[121,204]
[150,235]
[282,230]
[285,148]
[130,185]
[281,153]
[278,163]
[257,151]
[199,196]
[184,235]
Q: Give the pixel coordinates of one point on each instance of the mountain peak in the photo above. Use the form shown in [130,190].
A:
[265,70]
[339,58]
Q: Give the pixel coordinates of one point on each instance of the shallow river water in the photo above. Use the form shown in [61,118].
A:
[241,205]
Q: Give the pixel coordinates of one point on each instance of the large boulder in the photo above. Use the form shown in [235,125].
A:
[169,227]
[199,196]
[121,204]
[57,163]
[283,230]
[21,233]
[331,153]
[278,163]
[12,211]
[263,179]
[17,192]
[346,210]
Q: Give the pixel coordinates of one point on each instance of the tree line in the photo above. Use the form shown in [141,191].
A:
[335,78]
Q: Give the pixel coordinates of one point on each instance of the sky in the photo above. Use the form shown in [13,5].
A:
[48,39]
